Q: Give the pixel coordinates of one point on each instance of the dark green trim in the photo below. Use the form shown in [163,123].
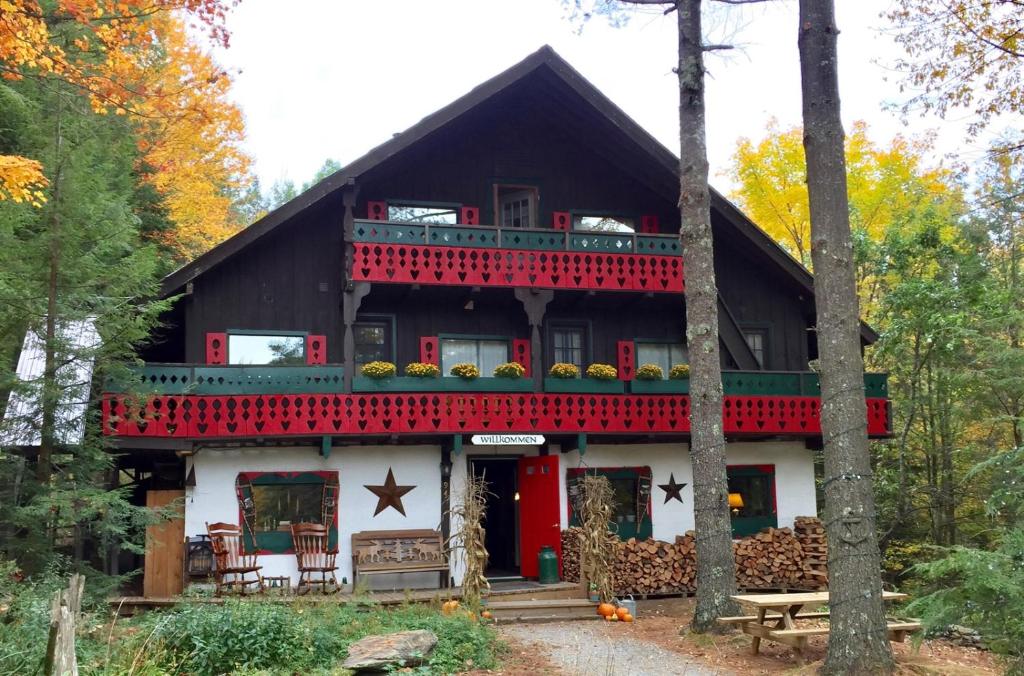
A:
[232,379]
[637,386]
[584,385]
[743,526]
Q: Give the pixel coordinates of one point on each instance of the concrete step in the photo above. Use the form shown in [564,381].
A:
[543,610]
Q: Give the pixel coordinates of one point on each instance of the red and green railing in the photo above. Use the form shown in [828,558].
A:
[474,255]
[179,401]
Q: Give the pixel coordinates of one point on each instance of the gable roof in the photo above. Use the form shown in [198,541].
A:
[547,58]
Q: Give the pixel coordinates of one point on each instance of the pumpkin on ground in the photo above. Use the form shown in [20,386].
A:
[621,611]
[486,614]
[605,609]
[627,618]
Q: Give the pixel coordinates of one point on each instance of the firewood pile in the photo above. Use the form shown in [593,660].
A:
[769,559]
[775,558]
[811,533]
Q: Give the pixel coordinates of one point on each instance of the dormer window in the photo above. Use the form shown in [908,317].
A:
[597,222]
[516,205]
[428,213]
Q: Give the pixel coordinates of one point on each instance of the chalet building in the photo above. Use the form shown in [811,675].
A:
[530,221]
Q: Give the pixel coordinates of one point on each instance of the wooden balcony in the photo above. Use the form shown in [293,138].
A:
[230,402]
[474,255]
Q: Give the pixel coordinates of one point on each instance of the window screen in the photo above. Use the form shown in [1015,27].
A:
[568,345]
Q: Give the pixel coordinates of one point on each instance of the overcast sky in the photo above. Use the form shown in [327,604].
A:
[322,78]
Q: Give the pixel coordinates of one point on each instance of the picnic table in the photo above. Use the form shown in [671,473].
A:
[786,611]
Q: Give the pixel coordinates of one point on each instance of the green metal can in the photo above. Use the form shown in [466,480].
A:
[547,564]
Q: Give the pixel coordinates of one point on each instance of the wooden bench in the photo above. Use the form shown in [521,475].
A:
[380,552]
[740,619]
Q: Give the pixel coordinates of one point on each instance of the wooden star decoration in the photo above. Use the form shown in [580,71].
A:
[390,494]
[672,489]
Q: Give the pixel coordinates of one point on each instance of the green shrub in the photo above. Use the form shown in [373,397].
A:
[980,589]
[260,636]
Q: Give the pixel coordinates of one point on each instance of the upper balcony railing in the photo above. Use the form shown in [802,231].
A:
[474,255]
[202,402]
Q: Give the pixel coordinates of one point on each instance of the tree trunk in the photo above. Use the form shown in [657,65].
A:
[858,640]
[50,392]
[716,575]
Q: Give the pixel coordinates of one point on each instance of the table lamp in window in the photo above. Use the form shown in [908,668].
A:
[735,503]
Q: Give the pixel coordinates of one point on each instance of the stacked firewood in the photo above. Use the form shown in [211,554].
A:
[770,559]
[775,558]
[811,533]
[655,567]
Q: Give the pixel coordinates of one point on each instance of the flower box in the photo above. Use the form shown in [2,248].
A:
[584,385]
[660,386]
[444,384]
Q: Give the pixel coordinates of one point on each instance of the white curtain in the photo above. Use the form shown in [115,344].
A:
[665,355]
[486,354]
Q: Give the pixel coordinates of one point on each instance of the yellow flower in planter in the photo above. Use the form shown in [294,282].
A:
[602,372]
[679,372]
[510,370]
[420,370]
[466,371]
[379,370]
[649,372]
[565,371]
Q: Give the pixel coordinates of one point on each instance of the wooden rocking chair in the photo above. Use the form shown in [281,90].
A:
[231,559]
[314,558]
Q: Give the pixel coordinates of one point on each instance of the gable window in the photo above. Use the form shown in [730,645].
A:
[485,352]
[431,214]
[752,498]
[515,206]
[373,338]
[267,349]
[757,340]
[603,223]
[665,355]
[270,502]
[568,344]
[631,499]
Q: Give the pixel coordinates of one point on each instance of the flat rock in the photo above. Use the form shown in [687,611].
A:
[401,649]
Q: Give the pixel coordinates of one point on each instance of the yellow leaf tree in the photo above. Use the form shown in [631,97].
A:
[195,157]
[886,186]
[105,48]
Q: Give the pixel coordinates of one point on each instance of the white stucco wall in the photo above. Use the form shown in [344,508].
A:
[794,477]
[213,498]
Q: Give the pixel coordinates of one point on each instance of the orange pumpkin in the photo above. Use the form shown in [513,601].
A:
[486,614]
[627,618]
[621,612]
[605,609]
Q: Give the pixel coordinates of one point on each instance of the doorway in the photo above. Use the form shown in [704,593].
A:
[501,519]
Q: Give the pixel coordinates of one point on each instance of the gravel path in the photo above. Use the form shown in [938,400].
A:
[589,648]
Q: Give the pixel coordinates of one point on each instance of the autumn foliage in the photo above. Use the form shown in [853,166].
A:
[136,58]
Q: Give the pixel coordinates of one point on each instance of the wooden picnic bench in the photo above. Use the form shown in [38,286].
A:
[786,610]
[379,552]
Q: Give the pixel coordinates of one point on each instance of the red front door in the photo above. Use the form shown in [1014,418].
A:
[539,523]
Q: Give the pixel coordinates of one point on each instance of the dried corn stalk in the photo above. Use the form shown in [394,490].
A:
[469,540]
[597,544]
